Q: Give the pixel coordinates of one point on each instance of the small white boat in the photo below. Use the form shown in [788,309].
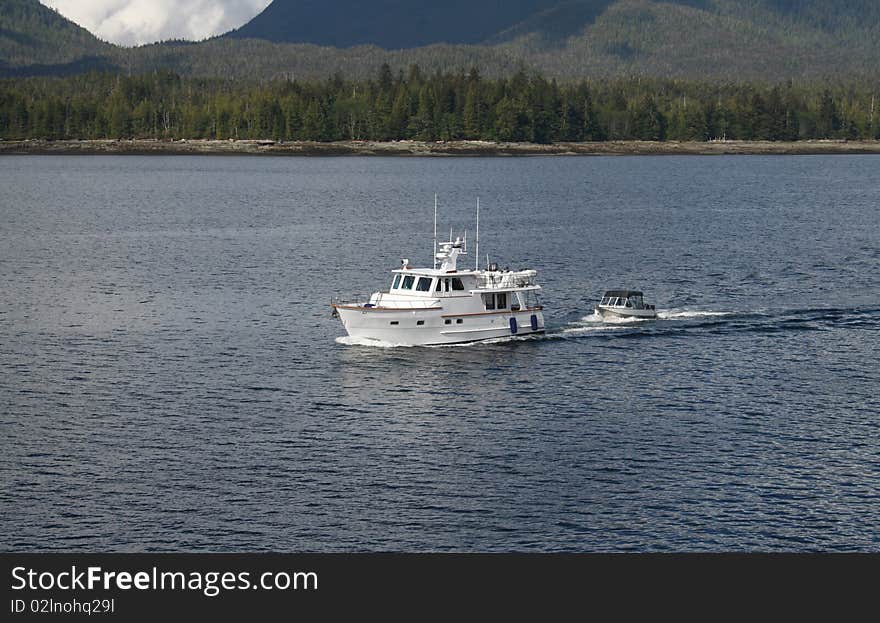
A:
[625,304]
[446,305]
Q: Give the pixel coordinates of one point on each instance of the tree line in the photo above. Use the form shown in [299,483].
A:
[432,107]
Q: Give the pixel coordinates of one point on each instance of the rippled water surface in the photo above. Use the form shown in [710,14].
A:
[172,379]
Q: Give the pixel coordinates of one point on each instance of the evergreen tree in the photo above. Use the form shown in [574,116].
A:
[473,111]
[828,120]
[648,123]
[422,126]
[385,80]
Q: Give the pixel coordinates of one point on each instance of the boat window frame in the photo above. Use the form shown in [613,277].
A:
[456,281]
[421,280]
[412,281]
[520,301]
[396,283]
[489,301]
[501,300]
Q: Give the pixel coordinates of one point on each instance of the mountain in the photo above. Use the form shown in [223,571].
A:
[396,24]
[733,40]
[390,24]
[35,39]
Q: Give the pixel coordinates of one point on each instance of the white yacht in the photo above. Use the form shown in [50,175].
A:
[629,304]
[446,305]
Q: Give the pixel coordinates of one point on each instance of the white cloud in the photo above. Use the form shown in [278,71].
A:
[133,22]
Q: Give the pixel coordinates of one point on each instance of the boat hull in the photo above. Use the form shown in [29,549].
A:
[432,327]
[626,313]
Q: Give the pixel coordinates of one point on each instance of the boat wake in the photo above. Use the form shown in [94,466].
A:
[597,319]
[352,341]
[679,321]
[595,322]
[688,315]
[675,321]
[347,340]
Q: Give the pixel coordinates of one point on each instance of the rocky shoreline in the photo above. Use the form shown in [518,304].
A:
[440,148]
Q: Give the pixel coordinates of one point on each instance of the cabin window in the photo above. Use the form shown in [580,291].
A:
[457,284]
[447,321]
[420,322]
[396,283]
[501,300]
[458,321]
[408,282]
[489,301]
[394,322]
[424,284]
[439,286]
[446,285]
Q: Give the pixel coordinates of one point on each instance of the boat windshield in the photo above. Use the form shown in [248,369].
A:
[621,301]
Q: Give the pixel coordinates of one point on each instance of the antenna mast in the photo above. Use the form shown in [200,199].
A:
[477,253]
[435,230]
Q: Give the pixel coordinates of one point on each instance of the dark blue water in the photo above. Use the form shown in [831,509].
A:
[172,379]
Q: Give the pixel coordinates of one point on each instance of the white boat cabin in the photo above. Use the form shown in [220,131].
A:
[632,299]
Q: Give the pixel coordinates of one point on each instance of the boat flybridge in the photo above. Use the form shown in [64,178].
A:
[625,304]
[445,304]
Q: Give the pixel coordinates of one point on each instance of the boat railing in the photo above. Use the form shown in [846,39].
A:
[505,280]
[349,300]
[367,301]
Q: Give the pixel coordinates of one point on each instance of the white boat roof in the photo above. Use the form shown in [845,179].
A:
[434,272]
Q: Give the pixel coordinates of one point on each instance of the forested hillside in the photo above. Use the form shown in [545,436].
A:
[768,40]
[525,107]
[388,23]
[37,37]
[412,23]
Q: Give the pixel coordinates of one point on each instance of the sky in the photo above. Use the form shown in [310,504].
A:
[134,22]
